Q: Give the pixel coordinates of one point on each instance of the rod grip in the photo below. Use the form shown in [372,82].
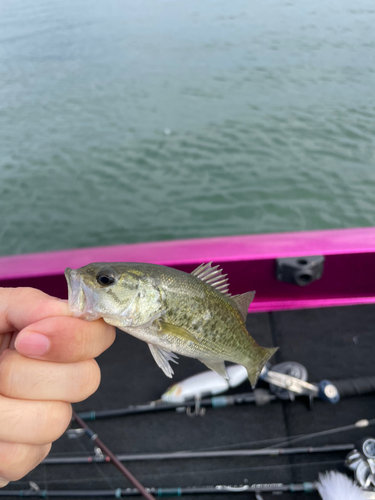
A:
[355,386]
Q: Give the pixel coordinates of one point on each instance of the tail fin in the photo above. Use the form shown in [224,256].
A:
[256,363]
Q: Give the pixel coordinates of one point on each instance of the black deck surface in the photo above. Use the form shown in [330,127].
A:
[332,343]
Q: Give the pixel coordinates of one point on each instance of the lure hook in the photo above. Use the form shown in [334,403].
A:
[98,452]
[33,486]
[75,433]
[198,410]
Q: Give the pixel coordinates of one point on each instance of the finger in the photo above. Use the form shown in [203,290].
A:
[3,482]
[25,378]
[65,340]
[16,459]
[33,422]
[21,306]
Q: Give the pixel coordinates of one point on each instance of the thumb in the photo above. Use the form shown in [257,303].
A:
[20,307]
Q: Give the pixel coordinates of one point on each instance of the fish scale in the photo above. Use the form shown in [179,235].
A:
[174,312]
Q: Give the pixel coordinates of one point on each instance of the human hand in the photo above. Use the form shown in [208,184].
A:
[46,363]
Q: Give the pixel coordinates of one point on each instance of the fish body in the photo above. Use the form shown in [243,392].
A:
[174,312]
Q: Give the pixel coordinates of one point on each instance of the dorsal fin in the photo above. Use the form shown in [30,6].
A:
[243,301]
[213,276]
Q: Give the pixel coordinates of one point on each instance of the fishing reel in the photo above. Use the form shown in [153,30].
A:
[293,369]
[362,462]
[289,379]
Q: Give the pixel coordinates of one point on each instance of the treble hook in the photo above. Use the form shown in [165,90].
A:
[75,433]
[33,486]
[198,411]
[98,452]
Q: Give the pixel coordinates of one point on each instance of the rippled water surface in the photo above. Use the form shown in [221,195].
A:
[125,121]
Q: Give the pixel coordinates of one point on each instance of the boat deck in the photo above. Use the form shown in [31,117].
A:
[333,343]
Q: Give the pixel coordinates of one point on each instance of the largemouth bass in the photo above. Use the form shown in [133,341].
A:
[174,312]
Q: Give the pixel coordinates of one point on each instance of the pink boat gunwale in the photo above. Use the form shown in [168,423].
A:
[249,261]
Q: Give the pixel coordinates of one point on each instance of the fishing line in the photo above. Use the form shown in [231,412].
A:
[249,443]
[206,448]
[279,442]
[94,437]
[98,469]
[115,487]
[244,469]
[360,424]
[212,471]
[300,437]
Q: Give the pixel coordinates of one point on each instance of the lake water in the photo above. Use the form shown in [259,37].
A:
[125,121]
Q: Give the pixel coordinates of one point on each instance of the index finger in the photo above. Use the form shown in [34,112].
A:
[20,307]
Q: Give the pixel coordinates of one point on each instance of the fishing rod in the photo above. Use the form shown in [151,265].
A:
[276,449]
[287,380]
[360,460]
[94,437]
[260,397]
[101,458]
[306,487]
[256,488]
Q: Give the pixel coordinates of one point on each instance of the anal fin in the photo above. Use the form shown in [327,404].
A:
[163,358]
[216,365]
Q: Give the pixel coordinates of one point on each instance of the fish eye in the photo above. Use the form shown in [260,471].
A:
[105,278]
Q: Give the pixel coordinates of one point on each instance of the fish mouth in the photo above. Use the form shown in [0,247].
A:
[76,296]
[80,296]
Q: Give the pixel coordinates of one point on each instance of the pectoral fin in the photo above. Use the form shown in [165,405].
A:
[216,366]
[177,331]
[163,358]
